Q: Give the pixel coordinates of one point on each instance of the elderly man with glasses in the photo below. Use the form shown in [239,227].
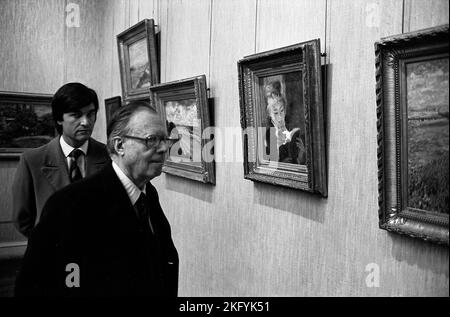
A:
[107,234]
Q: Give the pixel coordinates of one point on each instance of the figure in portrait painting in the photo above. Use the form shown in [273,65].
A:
[290,142]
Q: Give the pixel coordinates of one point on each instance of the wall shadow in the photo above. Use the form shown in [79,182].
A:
[420,253]
[198,190]
[290,200]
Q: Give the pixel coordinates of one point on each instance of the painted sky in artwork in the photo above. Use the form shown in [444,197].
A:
[427,85]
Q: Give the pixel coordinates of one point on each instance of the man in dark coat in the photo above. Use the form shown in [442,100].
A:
[107,235]
[44,170]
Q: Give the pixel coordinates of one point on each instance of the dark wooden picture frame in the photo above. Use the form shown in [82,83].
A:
[282,117]
[138,60]
[112,105]
[26,122]
[412,114]
[183,105]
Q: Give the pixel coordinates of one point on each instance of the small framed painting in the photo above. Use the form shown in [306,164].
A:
[138,59]
[282,117]
[183,106]
[111,106]
[26,122]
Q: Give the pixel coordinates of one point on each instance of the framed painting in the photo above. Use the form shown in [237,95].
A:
[26,122]
[413,133]
[183,105]
[111,106]
[282,117]
[138,59]
[143,99]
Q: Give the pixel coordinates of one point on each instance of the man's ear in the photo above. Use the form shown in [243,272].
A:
[118,146]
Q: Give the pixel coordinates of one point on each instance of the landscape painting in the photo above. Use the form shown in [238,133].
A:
[139,64]
[183,120]
[138,61]
[25,121]
[413,133]
[428,135]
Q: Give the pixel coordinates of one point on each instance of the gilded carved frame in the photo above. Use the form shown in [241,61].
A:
[392,54]
[183,106]
[255,71]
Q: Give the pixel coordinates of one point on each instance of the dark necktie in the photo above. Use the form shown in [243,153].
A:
[74,170]
[151,245]
[143,214]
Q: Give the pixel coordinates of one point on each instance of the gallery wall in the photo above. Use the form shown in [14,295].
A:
[240,238]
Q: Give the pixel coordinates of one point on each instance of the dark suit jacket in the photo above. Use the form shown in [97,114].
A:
[93,224]
[40,173]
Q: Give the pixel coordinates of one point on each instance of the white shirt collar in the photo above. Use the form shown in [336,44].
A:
[67,149]
[132,190]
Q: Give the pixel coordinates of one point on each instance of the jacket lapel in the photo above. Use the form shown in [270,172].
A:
[95,158]
[55,165]
[121,207]
[119,203]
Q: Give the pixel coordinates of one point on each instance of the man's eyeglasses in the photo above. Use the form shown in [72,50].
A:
[155,140]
